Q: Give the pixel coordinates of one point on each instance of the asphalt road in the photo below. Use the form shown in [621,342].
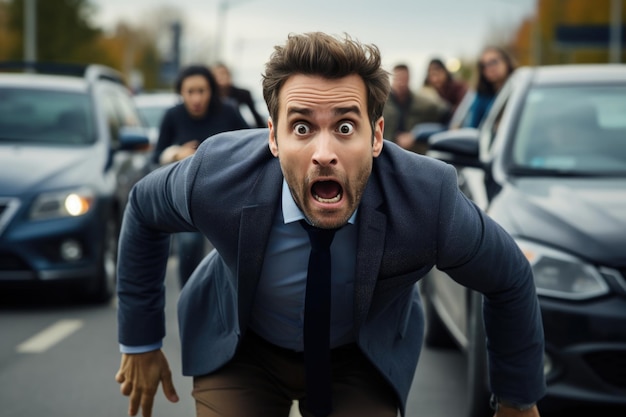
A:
[59,358]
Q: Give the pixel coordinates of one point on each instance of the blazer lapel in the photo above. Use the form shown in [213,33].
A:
[256,222]
[372,225]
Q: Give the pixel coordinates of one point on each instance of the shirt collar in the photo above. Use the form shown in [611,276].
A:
[291,212]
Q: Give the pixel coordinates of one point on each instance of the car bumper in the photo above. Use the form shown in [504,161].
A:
[38,251]
[585,351]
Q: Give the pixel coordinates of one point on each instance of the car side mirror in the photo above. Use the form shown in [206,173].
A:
[423,131]
[134,138]
[457,147]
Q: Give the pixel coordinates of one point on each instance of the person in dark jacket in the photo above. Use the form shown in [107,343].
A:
[405,109]
[201,114]
[239,96]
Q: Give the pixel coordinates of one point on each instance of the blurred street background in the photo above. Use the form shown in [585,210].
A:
[150,40]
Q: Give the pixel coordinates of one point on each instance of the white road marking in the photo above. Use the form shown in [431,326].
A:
[50,336]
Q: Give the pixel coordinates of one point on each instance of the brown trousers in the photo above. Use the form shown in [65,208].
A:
[263,380]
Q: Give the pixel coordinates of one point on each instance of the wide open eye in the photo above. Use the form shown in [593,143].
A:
[301,129]
[345,128]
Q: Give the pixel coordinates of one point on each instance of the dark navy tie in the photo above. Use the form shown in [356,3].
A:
[317,322]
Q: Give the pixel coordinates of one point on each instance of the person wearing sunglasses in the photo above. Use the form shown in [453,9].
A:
[494,68]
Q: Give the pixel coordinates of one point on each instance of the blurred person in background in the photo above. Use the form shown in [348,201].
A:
[443,82]
[202,113]
[494,68]
[404,109]
[239,96]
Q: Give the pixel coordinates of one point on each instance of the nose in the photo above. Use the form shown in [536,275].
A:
[196,97]
[324,153]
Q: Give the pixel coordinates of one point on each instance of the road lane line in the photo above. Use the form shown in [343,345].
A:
[50,336]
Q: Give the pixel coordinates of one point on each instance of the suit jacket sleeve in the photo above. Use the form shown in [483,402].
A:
[157,206]
[476,252]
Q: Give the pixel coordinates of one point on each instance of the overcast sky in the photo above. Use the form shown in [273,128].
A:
[411,31]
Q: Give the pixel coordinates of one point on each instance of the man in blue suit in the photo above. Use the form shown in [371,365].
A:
[395,215]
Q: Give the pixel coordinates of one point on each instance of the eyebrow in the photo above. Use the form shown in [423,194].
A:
[338,111]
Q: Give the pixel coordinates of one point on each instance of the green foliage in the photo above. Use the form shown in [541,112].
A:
[64,31]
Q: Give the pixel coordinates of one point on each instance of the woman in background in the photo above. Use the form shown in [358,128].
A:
[447,87]
[494,68]
[201,114]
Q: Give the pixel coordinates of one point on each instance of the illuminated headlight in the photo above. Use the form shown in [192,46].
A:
[69,203]
[558,274]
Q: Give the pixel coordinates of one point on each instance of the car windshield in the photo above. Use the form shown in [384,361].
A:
[577,130]
[153,115]
[45,116]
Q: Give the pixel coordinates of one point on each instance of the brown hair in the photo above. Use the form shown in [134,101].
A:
[484,86]
[317,53]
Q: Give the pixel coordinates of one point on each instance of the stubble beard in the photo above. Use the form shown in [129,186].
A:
[351,192]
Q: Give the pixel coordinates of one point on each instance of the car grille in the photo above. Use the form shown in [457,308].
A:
[8,207]
[11,262]
[610,366]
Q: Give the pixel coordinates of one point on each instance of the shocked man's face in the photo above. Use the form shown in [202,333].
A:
[325,144]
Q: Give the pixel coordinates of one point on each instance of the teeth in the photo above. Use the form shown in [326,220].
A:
[335,199]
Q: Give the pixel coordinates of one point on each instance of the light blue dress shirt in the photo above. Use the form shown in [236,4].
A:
[278,310]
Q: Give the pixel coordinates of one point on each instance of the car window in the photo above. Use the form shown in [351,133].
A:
[126,108]
[491,124]
[29,115]
[152,115]
[152,106]
[577,129]
[120,111]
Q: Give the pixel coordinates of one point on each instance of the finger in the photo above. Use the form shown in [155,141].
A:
[133,402]
[126,388]
[168,388]
[147,401]
[120,377]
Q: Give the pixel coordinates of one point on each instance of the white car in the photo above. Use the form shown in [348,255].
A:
[152,107]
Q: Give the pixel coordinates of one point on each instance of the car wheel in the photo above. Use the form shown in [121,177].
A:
[104,287]
[437,335]
[477,378]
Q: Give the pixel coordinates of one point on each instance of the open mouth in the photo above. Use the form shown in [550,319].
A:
[327,191]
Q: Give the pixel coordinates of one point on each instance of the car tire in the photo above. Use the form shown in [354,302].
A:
[437,335]
[478,393]
[103,288]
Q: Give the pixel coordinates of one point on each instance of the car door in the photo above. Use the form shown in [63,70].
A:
[451,309]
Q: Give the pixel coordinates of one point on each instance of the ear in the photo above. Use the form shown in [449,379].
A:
[379,128]
[272,138]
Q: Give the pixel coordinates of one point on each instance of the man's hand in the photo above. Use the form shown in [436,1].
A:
[139,378]
[504,411]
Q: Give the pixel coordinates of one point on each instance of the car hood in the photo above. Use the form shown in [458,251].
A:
[586,217]
[33,168]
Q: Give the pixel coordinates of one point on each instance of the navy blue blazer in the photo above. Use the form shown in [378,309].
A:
[412,217]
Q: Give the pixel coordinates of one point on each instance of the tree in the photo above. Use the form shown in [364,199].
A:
[131,49]
[7,38]
[64,31]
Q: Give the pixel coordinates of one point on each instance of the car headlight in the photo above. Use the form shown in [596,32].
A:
[70,203]
[558,274]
